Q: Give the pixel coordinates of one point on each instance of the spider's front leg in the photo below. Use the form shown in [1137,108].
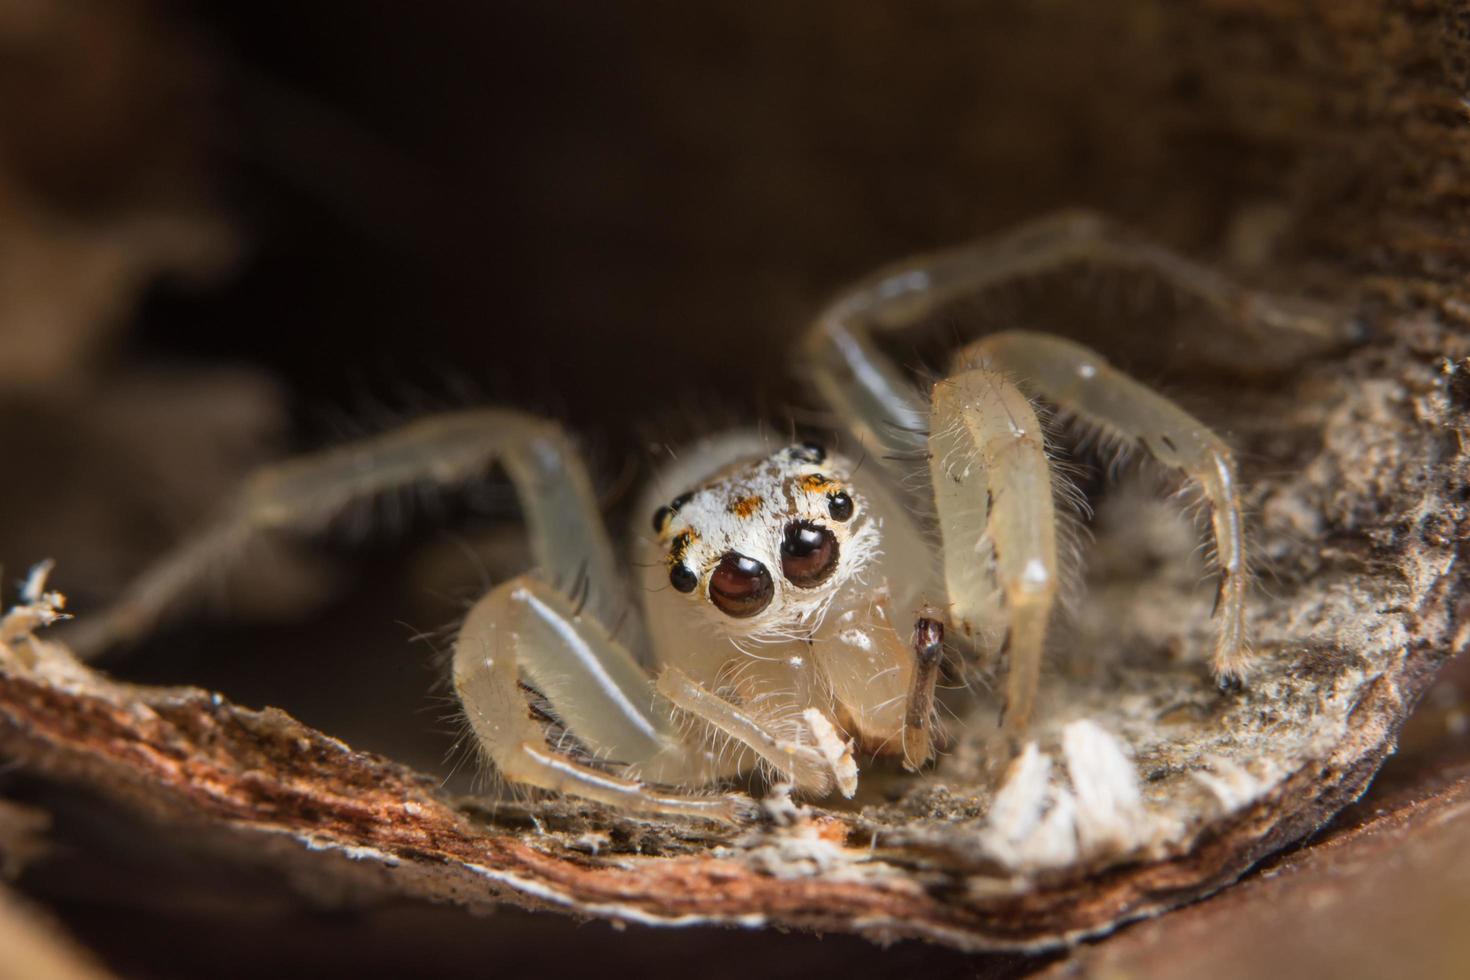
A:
[887,414]
[1081,382]
[526,635]
[993,494]
[303,495]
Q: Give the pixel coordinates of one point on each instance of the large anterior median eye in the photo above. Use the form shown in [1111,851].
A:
[740,586]
[808,554]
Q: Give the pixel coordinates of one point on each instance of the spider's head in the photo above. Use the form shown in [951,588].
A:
[766,544]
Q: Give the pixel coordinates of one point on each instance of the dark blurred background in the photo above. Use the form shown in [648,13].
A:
[595,206]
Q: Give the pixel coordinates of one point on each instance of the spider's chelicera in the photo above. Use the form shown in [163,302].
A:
[789,605]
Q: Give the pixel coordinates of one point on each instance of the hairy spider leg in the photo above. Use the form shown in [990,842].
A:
[527,629]
[1082,383]
[993,492]
[885,411]
[902,294]
[303,495]
[526,634]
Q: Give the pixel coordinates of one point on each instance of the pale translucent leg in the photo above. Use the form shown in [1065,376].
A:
[993,491]
[807,768]
[885,411]
[882,407]
[303,495]
[526,633]
[1082,383]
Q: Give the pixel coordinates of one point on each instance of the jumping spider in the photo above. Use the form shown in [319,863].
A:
[790,606]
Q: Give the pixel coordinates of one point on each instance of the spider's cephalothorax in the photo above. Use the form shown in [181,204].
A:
[773,629]
[766,545]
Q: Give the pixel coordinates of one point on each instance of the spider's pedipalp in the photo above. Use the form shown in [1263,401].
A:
[919,706]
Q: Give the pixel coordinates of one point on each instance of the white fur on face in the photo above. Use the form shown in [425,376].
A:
[746,508]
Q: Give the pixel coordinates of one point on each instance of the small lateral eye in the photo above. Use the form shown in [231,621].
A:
[682,577]
[810,452]
[839,505]
[739,586]
[808,554]
[664,514]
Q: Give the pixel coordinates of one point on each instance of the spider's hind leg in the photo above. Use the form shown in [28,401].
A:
[880,406]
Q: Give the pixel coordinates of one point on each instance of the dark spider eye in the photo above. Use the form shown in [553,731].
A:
[664,514]
[808,554]
[682,577]
[810,452]
[839,505]
[740,586]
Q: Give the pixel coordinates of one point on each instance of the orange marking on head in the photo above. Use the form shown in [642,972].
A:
[746,506]
[816,483]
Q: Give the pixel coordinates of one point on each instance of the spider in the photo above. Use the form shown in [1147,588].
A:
[790,605]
